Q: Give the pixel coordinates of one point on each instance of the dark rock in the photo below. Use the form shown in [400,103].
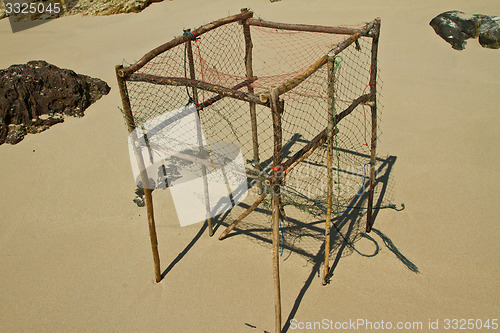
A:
[489,33]
[4,129]
[139,201]
[455,29]
[36,95]
[86,7]
[16,134]
[108,7]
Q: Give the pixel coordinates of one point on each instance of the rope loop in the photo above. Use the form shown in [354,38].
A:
[189,34]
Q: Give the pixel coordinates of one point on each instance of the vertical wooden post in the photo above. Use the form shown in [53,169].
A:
[329,138]
[253,113]
[276,110]
[373,105]
[192,74]
[129,118]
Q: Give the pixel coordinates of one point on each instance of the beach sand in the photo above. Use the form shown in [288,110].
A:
[74,248]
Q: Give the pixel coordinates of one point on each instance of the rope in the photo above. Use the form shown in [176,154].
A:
[377,248]
[188,33]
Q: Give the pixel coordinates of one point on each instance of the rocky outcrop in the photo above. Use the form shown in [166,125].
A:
[489,32]
[109,7]
[37,95]
[455,28]
[88,7]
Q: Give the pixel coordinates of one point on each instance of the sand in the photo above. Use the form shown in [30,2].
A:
[74,249]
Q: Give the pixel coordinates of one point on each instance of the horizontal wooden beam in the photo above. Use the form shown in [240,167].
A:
[214,99]
[181,39]
[181,81]
[303,27]
[368,30]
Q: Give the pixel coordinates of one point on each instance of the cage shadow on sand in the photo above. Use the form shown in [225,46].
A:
[303,234]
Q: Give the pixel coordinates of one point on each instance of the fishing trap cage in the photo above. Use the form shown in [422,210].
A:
[295,99]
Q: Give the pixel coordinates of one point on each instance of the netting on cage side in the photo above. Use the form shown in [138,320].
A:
[219,58]
[306,115]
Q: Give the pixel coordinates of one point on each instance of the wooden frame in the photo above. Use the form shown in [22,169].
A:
[271,99]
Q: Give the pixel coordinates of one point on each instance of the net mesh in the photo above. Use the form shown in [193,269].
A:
[219,58]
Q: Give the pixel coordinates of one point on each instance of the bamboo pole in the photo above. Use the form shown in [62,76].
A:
[253,113]
[302,27]
[330,134]
[373,105]
[181,81]
[181,39]
[129,118]
[277,110]
[243,215]
[294,82]
[192,74]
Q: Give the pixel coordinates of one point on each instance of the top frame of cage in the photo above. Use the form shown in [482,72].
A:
[239,51]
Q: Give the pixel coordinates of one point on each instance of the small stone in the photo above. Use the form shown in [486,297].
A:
[139,201]
[16,134]
[489,33]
